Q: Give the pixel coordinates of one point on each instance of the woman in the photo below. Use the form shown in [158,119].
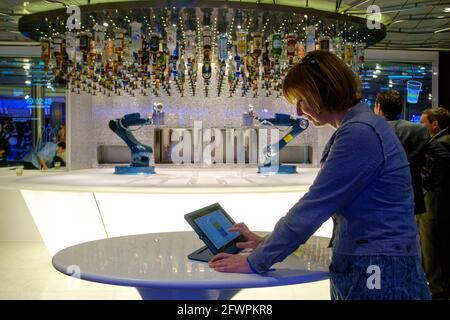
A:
[364,184]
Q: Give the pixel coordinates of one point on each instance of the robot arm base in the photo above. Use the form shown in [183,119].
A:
[280,169]
[131,170]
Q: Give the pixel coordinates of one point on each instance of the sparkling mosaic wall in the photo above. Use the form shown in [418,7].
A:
[91,114]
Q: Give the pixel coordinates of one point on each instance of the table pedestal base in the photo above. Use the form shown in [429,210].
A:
[186,294]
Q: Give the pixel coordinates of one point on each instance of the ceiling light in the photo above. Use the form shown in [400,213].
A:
[441,30]
[447,10]
[105,24]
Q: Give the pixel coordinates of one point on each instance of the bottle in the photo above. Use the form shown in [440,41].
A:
[223,47]
[300,49]
[70,45]
[206,38]
[136,39]
[276,45]
[324,43]
[310,38]
[290,50]
[189,44]
[348,54]
[336,47]
[257,43]
[171,39]
[241,43]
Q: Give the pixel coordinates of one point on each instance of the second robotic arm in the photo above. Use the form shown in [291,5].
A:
[272,151]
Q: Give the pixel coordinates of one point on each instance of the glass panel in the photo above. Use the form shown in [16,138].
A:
[19,135]
[380,76]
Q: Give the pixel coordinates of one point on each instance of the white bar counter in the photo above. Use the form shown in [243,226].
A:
[71,207]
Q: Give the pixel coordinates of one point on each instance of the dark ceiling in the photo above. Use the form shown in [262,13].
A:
[411,24]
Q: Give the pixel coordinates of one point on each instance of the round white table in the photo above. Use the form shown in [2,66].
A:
[157,265]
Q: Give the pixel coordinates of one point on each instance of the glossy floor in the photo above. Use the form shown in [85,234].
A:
[26,273]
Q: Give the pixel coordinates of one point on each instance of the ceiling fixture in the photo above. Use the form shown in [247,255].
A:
[442,30]
[131,55]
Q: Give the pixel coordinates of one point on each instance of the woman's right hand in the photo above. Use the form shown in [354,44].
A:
[253,240]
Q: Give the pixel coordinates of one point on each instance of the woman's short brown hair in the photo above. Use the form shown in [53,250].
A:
[324,81]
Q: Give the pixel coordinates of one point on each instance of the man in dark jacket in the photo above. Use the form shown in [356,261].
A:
[417,144]
[435,224]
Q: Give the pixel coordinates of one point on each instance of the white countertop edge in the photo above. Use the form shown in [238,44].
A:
[11,182]
[171,190]
[270,280]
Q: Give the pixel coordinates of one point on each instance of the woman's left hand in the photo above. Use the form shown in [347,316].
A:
[225,262]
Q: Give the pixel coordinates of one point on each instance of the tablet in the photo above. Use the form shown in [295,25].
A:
[211,224]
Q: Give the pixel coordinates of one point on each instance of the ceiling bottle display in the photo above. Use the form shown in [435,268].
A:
[151,54]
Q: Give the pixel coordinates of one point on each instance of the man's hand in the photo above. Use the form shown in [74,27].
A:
[253,240]
[43,165]
[225,262]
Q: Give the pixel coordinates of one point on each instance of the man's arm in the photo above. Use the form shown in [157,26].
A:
[355,159]
[46,154]
[440,167]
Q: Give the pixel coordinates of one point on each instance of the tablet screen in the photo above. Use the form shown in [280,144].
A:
[215,225]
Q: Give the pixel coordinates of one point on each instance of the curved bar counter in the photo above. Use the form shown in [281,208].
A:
[72,207]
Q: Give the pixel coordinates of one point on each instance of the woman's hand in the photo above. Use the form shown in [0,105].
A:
[225,262]
[253,240]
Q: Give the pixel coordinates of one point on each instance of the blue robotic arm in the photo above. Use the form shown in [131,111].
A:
[272,151]
[140,153]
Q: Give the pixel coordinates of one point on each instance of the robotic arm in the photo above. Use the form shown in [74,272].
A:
[140,153]
[271,152]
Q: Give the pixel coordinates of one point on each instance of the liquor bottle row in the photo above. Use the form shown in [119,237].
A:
[134,62]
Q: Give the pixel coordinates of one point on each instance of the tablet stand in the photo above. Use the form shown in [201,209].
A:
[203,254]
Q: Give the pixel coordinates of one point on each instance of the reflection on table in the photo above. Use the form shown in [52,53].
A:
[157,265]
